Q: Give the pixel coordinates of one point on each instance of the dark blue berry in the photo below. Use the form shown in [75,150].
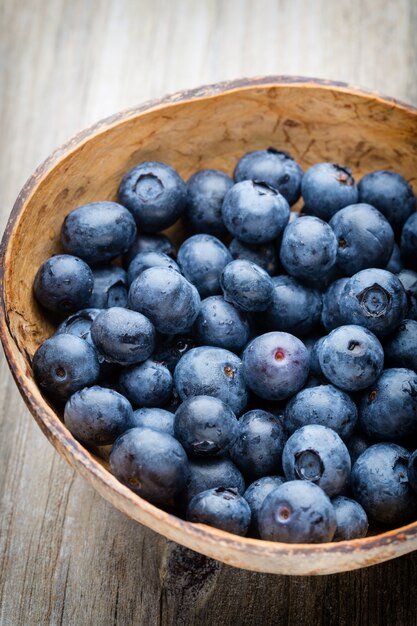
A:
[255,495]
[408,279]
[247,286]
[144,260]
[357,444]
[330,315]
[169,349]
[395,263]
[390,193]
[222,508]
[202,259]
[264,255]
[412,471]
[206,190]
[147,384]
[63,284]
[79,324]
[209,473]
[154,418]
[220,324]
[409,242]
[149,243]
[326,188]
[351,519]
[110,288]
[401,347]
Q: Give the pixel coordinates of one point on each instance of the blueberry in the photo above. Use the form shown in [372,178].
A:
[209,473]
[258,449]
[357,444]
[390,193]
[351,519]
[79,324]
[255,495]
[155,194]
[222,508]
[167,298]
[275,365]
[380,484]
[297,512]
[220,324]
[154,418]
[317,454]
[110,288]
[97,415]
[388,409]
[254,212]
[247,286]
[409,241]
[308,248]
[326,188]
[408,279]
[264,255]
[375,299]
[202,259]
[209,371]
[144,260]
[294,308]
[395,263]
[412,471]
[275,167]
[324,405]
[151,463]
[64,364]
[315,367]
[169,349]
[206,190]
[365,238]
[351,357]
[123,336]
[149,243]
[205,426]
[400,347]
[330,315]
[63,284]
[146,384]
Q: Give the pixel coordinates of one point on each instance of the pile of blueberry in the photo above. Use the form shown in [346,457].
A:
[262,379]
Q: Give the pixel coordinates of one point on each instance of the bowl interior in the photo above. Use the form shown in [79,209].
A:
[313,122]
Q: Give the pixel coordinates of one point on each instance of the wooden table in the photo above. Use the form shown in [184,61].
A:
[67,557]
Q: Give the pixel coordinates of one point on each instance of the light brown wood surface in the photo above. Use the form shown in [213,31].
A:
[67,557]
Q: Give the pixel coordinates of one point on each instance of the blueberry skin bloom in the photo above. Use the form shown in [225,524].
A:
[297,512]
[155,419]
[206,190]
[123,336]
[380,484]
[151,463]
[388,409]
[255,495]
[375,299]
[147,384]
[390,193]
[408,279]
[205,426]
[98,232]
[365,238]
[351,519]
[275,365]
[63,284]
[331,317]
[264,255]
[294,308]
[144,260]
[97,415]
[220,324]
[400,347]
[247,286]
[409,241]
[258,449]
[166,298]
[208,371]
[326,188]
[208,473]
[64,364]
[79,324]
[149,243]
[412,471]
[155,195]
[254,212]
[308,248]
[351,357]
[202,259]
[221,508]
[324,405]
[317,454]
[110,287]
[274,167]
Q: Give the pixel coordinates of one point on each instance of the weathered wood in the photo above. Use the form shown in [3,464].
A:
[69,557]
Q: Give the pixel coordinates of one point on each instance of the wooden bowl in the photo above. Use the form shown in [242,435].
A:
[207,127]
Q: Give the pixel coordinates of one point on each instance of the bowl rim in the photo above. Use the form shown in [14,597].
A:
[210,541]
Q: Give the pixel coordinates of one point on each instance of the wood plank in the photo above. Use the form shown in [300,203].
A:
[67,557]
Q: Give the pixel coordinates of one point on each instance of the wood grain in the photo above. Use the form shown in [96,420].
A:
[67,556]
